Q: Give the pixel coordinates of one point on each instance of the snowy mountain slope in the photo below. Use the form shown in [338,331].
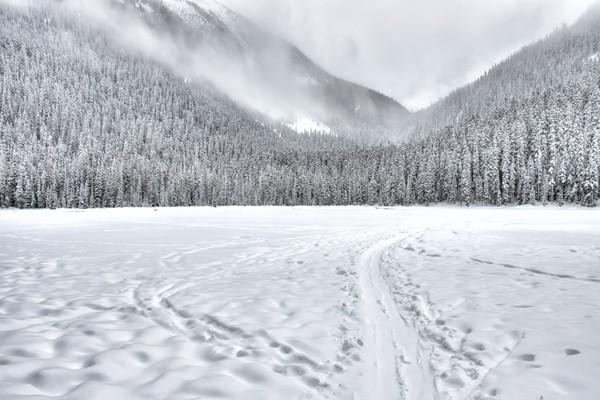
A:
[137,108]
[293,87]
[560,59]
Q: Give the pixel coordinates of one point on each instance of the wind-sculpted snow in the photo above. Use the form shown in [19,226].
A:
[300,303]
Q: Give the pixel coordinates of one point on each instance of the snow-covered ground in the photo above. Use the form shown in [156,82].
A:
[300,303]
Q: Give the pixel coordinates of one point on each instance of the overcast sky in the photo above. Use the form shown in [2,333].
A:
[413,50]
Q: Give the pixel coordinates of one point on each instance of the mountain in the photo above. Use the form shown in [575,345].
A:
[527,131]
[561,58]
[285,84]
[134,105]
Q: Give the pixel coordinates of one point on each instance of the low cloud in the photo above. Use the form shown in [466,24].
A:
[230,72]
[243,78]
[415,51]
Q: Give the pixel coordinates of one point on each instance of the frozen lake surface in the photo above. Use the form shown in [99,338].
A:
[300,303]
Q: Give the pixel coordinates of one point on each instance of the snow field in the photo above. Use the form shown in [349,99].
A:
[300,303]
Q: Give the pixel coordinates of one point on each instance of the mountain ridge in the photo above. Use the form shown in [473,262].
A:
[283,71]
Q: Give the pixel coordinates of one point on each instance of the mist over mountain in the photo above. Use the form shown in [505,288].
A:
[566,57]
[111,103]
[207,43]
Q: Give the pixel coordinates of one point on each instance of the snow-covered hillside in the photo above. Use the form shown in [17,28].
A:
[264,72]
[202,14]
[136,124]
[187,6]
[300,303]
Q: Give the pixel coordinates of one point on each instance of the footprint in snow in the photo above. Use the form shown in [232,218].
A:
[572,352]
[527,357]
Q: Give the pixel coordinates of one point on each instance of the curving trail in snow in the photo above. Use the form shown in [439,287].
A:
[397,365]
[300,303]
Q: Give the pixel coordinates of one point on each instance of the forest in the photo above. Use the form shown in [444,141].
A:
[85,124]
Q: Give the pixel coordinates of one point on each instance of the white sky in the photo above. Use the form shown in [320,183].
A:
[413,50]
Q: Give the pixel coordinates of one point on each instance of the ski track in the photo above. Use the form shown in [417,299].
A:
[537,271]
[444,364]
[396,363]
